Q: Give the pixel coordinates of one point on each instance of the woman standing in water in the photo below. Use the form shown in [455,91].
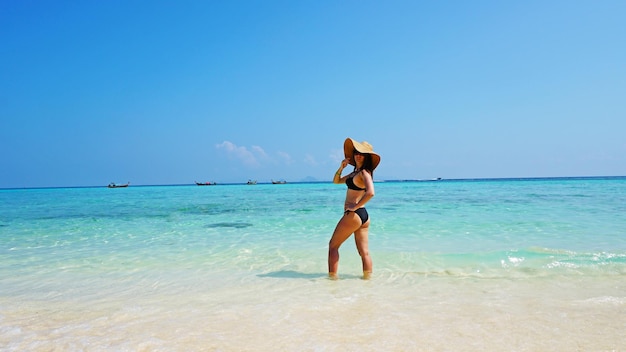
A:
[355,218]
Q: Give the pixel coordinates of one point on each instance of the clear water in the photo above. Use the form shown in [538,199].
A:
[458,265]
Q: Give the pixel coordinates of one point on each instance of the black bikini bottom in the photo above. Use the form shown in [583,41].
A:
[362,213]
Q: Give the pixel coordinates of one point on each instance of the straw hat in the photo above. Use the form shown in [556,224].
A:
[363,147]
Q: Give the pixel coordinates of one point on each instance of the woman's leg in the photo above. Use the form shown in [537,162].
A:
[362,245]
[349,223]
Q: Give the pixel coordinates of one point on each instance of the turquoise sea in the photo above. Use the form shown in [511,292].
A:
[459,265]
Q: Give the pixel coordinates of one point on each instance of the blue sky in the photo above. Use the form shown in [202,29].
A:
[157,92]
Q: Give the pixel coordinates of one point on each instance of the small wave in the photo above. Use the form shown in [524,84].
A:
[513,263]
[607,300]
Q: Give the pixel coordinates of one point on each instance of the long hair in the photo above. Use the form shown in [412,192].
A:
[367,164]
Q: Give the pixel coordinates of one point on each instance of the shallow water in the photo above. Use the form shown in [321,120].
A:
[458,265]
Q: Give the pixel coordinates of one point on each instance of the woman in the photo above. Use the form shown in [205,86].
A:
[355,218]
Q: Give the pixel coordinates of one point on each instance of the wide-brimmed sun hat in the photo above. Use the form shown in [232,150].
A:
[362,147]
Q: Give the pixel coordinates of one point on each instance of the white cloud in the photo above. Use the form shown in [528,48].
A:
[309,159]
[286,158]
[336,155]
[255,156]
[259,151]
[241,153]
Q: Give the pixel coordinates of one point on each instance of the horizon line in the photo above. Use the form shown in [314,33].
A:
[375,181]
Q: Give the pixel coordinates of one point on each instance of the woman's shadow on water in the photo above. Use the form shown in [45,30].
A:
[291,274]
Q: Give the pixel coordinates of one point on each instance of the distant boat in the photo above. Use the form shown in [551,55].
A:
[114,185]
[251,182]
[206,183]
[279,182]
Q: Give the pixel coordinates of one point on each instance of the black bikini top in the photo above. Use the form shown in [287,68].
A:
[351,185]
